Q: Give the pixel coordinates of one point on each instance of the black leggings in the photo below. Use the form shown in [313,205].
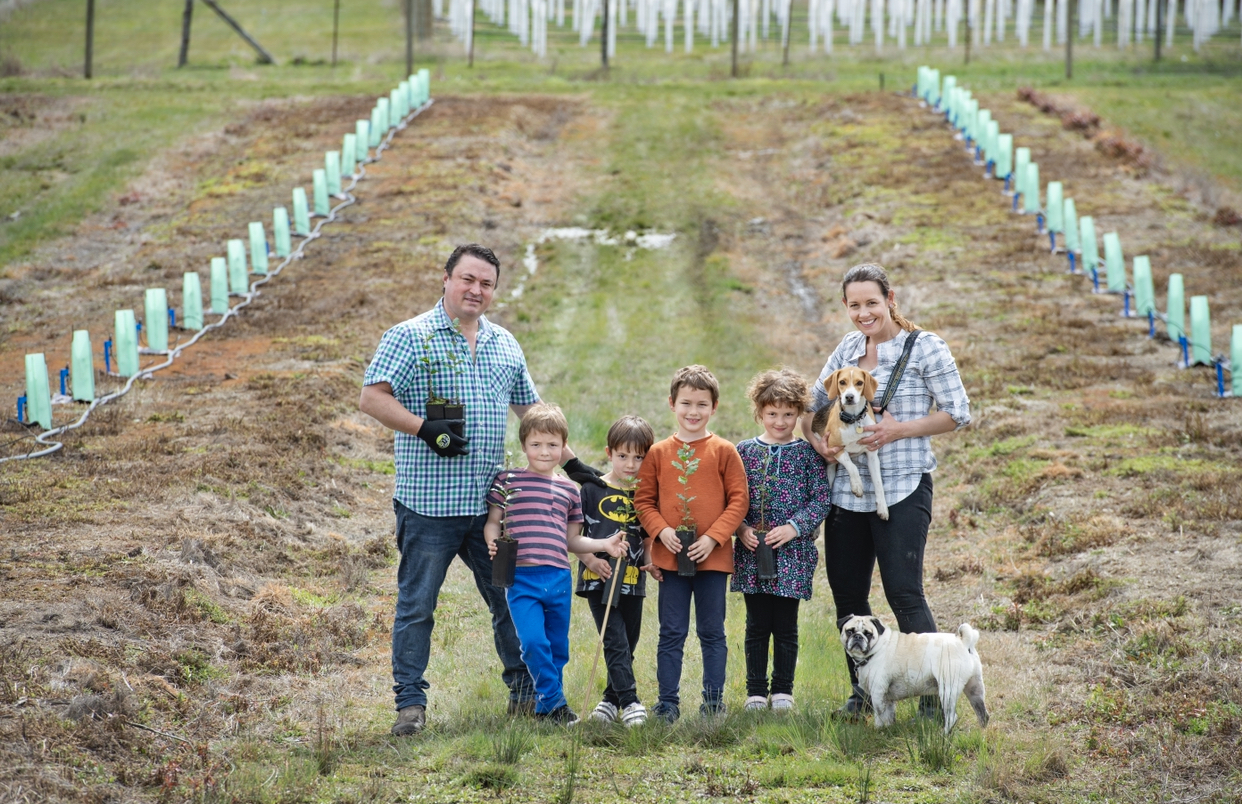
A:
[774,619]
[855,541]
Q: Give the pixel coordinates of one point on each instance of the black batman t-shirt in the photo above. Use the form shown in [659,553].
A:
[608,510]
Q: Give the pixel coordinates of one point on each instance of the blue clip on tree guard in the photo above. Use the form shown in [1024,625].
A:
[125,343]
[82,373]
[38,391]
[1114,263]
[191,301]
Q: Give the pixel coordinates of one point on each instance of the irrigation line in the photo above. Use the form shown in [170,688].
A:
[348,199]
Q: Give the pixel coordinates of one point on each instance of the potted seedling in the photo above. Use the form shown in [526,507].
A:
[504,563]
[765,556]
[441,407]
[687,530]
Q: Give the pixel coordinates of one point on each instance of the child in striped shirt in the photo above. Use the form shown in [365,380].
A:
[543,512]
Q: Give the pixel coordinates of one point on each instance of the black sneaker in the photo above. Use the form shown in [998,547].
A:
[669,713]
[561,715]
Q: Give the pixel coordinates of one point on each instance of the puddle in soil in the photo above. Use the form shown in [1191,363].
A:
[601,237]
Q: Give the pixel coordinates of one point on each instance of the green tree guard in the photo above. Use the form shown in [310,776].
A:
[219,286]
[1144,290]
[972,119]
[258,248]
[125,343]
[1070,221]
[375,130]
[992,138]
[82,369]
[981,124]
[320,181]
[349,155]
[332,171]
[1021,158]
[191,301]
[1200,332]
[935,87]
[1055,208]
[411,88]
[424,85]
[280,232]
[301,216]
[1030,192]
[1114,263]
[238,278]
[383,116]
[399,101]
[156,324]
[1004,156]
[1175,315]
[362,139]
[1235,362]
[1090,248]
[38,392]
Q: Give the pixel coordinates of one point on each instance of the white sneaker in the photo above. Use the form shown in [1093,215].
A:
[604,712]
[754,703]
[782,702]
[634,715]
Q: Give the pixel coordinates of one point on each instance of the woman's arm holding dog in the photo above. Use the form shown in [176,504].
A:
[888,429]
[820,444]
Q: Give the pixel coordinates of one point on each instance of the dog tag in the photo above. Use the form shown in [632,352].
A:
[858,428]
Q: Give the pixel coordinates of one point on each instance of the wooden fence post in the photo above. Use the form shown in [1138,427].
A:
[185,33]
[90,37]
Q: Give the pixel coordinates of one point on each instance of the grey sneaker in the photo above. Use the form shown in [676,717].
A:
[782,702]
[410,720]
[604,712]
[634,715]
[755,703]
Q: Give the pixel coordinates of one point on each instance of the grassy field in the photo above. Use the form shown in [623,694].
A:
[197,592]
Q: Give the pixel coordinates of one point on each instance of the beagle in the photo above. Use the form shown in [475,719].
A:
[852,390]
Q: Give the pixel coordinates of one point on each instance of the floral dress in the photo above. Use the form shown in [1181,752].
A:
[798,494]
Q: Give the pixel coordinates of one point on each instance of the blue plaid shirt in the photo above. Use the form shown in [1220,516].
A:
[931,376]
[487,385]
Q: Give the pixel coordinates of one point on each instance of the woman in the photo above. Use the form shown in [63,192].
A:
[855,538]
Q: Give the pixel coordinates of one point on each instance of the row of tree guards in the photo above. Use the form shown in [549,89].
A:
[230,277]
[1057,215]
[978,23]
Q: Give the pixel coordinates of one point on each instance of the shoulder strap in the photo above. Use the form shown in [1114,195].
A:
[898,370]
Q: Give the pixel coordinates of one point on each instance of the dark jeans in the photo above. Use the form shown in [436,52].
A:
[854,542]
[771,618]
[707,588]
[620,638]
[428,545]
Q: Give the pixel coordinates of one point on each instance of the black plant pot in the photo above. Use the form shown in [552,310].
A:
[686,567]
[438,411]
[765,558]
[504,564]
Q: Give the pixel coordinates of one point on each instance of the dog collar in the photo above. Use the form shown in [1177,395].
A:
[851,418]
[859,665]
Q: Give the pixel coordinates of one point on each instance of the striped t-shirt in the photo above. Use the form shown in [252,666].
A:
[540,509]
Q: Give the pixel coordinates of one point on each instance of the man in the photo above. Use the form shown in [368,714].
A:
[445,467]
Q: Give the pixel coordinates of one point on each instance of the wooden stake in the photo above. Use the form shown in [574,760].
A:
[470,54]
[185,33]
[1069,40]
[409,37]
[1159,26]
[788,26]
[264,56]
[90,38]
[599,646]
[734,36]
[604,40]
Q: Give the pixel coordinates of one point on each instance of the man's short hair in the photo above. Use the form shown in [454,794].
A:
[631,431]
[474,250]
[544,417]
[696,377]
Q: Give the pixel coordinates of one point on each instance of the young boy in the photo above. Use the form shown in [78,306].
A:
[608,511]
[544,513]
[718,502]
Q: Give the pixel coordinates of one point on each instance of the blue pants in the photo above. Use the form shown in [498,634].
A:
[539,601]
[707,588]
[427,545]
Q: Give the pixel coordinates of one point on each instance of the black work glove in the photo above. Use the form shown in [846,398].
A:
[582,473]
[443,440]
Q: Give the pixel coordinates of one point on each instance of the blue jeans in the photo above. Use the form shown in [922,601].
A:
[539,600]
[427,545]
[707,588]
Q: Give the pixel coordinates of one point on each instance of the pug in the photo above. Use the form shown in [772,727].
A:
[892,666]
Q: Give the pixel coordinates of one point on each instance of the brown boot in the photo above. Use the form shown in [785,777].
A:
[410,720]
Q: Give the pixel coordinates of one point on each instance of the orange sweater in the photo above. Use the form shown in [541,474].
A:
[721,497]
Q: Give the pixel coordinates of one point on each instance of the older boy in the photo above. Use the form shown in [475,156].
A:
[718,503]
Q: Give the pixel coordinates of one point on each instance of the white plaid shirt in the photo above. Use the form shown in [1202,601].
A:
[931,377]
[495,379]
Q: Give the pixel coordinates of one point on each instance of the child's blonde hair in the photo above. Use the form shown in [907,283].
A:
[698,378]
[779,387]
[544,417]
[631,431]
